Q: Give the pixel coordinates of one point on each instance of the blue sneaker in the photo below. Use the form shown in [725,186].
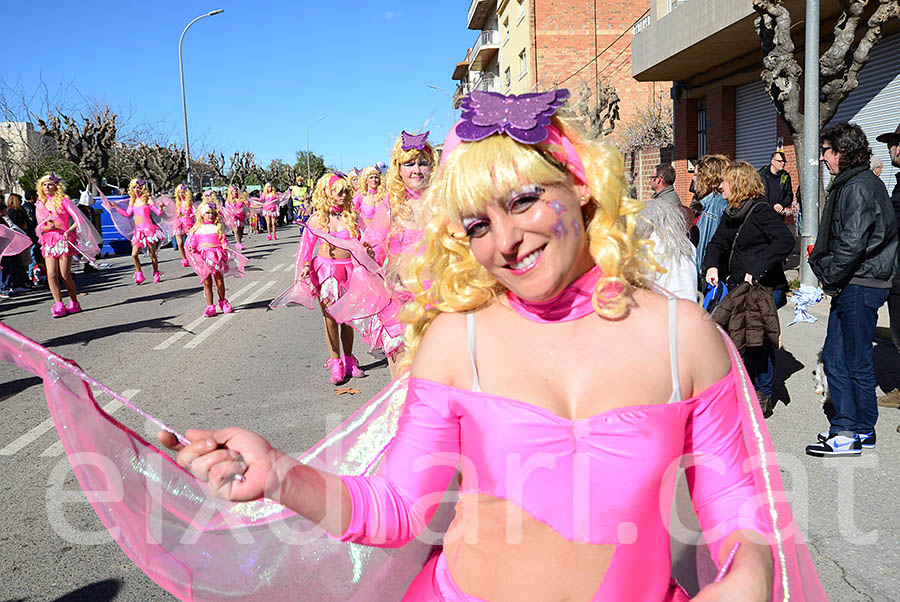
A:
[866,440]
[835,445]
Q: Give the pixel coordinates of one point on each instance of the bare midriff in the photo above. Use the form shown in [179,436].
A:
[496,551]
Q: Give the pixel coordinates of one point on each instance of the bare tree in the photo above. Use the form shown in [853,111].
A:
[600,119]
[216,164]
[240,167]
[162,165]
[652,126]
[87,145]
[856,32]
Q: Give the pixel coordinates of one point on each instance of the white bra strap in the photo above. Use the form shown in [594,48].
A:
[673,348]
[470,327]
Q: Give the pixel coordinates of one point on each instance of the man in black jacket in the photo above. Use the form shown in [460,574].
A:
[892,139]
[855,259]
[777,182]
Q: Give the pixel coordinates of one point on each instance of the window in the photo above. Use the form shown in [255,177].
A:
[505,31]
[507,79]
[521,11]
[701,127]
[523,63]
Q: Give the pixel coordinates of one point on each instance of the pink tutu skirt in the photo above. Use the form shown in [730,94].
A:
[270,210]
[330,277]
[145,235]
[55,243]
[183,225]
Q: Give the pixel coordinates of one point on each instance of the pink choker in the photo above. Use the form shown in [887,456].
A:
[571,304]
[413,194]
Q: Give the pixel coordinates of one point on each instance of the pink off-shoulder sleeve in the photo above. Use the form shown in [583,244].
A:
[391,509]
[719,475]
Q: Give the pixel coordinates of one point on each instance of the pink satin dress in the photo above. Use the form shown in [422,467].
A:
[185,220]
[145,230]
[270,205]
[56,242]
[551,507]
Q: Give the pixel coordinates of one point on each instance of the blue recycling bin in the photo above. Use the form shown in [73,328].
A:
[113,242]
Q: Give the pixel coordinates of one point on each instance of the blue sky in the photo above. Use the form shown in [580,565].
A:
[256,74]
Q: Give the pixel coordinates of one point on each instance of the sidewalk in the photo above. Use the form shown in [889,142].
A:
[846,507]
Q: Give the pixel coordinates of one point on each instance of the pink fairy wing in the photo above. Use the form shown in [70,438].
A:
[12,242]
[87,240]
[301,291]
[199,547]
[169,219]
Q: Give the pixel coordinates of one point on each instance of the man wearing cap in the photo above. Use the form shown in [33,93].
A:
[892,139]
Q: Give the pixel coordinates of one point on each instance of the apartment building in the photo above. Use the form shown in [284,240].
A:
[711,51]
[532,45]
[18,141]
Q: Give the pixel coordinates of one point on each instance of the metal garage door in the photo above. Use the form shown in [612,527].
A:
[755,125]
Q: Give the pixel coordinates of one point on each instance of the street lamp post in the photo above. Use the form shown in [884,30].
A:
[307,145]
[187,147]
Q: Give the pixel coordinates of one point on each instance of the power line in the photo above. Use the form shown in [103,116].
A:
[621,35]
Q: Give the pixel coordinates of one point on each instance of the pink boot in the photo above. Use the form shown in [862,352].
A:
[239,246]
[351,368]
[157,277]
[225,306]
[274,237]
[337,370]
[268,237]
[210,311]
[74,307]
[184,262]
[139,277]
[58,310]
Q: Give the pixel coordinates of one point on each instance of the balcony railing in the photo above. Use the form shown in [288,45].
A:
[488,37]
[488,82]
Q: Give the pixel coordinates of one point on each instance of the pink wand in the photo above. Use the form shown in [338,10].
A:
[728,562]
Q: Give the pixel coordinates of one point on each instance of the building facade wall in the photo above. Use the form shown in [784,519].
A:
[567,35]
[515,42]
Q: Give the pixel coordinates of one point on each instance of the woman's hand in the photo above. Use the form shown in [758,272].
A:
[236,463]
[304,272]
[741,584]
[712,276]
[779,208]
[748,278]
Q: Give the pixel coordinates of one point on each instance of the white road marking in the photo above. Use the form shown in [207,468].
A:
[276,268]
[222,320]
[289,268]
[187,329]
[42,428]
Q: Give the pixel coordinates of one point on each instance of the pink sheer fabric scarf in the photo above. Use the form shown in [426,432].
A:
[12,242]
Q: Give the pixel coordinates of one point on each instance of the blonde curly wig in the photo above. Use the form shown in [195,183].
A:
[476,173]
[323,197]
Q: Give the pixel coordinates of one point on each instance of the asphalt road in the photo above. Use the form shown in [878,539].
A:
[263,370]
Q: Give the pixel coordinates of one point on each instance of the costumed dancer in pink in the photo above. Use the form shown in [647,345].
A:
[184,218]
[210,256]
[271,203]
[324,269]
[63,231]
[139,226]
[395,229]
[370,194]
[235,214]
[542,370]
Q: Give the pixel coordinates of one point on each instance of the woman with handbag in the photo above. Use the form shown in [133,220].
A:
[750,245]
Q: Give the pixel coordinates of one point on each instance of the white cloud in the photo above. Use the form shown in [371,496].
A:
[389,15]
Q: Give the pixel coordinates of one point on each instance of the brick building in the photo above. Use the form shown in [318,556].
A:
[530,45]
[713,54]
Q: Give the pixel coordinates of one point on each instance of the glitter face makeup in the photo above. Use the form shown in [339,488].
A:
[557,207]
[559,229]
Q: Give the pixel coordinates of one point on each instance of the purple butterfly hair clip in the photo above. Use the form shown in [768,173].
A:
[140,182]
[523,117]
[413,141]
[54,178]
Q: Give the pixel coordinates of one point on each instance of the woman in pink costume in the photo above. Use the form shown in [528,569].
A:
[559,391]
[370,195]
[143,231]
[324,268]
[210,256]
[63,231]
[271,202]
[235,214]
[184,218]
